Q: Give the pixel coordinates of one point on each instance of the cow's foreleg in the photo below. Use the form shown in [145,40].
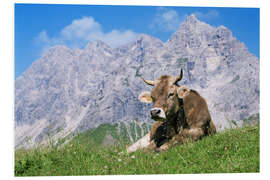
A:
[142,143]
[152,146]
[192,134]
[169,144]
[185,135]
[155,126]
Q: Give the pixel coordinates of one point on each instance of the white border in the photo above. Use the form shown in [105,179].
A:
[201,3]
[7,80]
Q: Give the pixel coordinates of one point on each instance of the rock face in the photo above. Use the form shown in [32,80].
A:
[72,90]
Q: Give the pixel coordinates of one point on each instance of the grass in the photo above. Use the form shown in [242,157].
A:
[119,132]
[231,151]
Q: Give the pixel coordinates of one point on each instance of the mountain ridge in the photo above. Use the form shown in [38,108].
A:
[78,89]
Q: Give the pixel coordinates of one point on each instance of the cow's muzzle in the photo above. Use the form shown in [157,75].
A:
[157,114]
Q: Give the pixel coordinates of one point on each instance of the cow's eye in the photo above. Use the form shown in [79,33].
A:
[170,94]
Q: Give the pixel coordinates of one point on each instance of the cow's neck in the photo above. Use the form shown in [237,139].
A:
[180,119]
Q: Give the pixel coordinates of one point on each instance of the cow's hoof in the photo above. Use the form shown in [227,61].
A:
[157,150]
[164,147]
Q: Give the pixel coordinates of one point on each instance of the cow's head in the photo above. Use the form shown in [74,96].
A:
[165,96]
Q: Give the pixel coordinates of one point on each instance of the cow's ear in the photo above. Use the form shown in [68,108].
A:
[183,91]
[145,97]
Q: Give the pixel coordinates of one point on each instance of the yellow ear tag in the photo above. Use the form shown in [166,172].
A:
[149,99]
[145,97]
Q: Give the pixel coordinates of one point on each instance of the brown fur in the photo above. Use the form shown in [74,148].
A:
[162,132]
[164,86]
[198,119]
[197,114]
[154,128]
[186,120]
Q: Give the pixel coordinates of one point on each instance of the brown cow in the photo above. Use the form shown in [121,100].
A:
[184,111]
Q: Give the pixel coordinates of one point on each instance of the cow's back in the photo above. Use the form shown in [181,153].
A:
[196,112]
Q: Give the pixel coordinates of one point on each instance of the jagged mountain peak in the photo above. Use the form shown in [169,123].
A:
[223,28]
[147,38]
[98,48]
[97,44]
[146,41]
[223,32]
[194,25]
[79,89]
[56,49]
[191,35]
[143,43]
[192,19]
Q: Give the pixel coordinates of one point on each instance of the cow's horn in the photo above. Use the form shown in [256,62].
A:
[149,82]
[178,78]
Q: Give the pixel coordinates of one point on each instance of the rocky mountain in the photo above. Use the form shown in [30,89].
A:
[72,90]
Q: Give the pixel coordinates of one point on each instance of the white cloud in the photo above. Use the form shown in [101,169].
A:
[82,31]
[44,41]
[212,14]
[43,36]
[166,20]
[86,29]
[116,38]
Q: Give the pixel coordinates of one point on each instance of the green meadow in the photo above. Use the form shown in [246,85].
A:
[231,151]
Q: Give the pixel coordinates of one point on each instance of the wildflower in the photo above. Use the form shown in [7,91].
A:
[133,157]
[105,167]
[119,160]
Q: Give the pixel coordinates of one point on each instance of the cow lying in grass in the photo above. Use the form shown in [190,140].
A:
[181,114]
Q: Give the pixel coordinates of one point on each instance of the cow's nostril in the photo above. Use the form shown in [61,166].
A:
[155,112]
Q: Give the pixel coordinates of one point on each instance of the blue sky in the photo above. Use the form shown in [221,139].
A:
[39,26]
